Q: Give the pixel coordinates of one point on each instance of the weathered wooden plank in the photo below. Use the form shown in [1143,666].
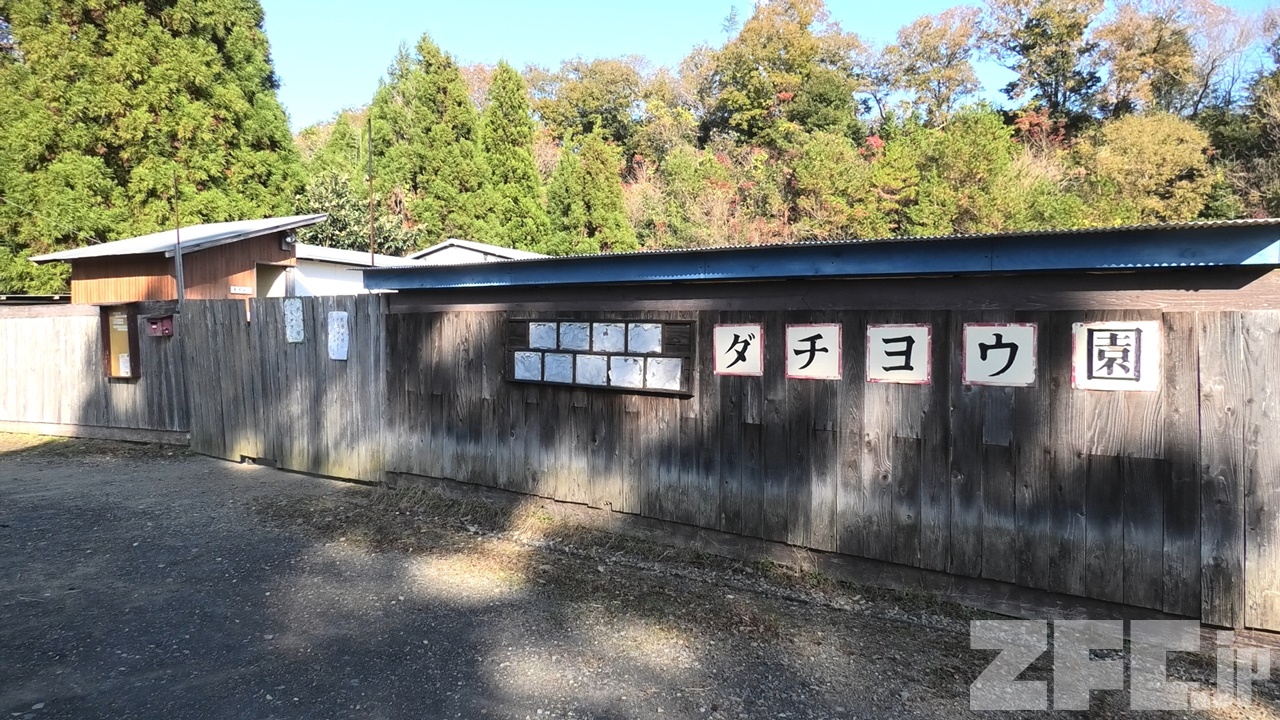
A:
[710,407]
[1222,378]
[1034,440]
[1104,528]
[889,412]
[1144,482]
[966,461]
[851,494]
[1261,430]
[1000,539]
[798,416]
[775,441]
[728,437]
[906,460]
[935,474]
[1181,403]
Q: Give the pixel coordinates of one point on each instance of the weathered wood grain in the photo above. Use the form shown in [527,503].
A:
[1222,379]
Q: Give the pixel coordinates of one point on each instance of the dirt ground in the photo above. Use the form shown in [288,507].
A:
[145,582]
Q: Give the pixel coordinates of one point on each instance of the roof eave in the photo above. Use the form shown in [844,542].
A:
[1099,251]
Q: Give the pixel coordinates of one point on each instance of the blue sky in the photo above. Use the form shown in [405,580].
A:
[329,55]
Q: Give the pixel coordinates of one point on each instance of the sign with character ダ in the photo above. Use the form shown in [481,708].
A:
[1002,354]
[813,352]
[739,349]
[1116,355]
[899,354]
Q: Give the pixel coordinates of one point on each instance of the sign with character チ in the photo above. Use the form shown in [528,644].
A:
[813,352]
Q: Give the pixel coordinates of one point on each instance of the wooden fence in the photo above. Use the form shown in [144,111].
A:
[1164,500]
[51,358]
[256,395]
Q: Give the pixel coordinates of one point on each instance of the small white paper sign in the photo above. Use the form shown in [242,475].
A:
[125,366]
[608,337]
[1000,354]
[663,373]
[293,329]
[739,349]
[644,338]
[592,369]
[1116,355]
[542,335]
[575,336]
[899,354]
[626,371]
[557,367]
[338,340]
[528,365]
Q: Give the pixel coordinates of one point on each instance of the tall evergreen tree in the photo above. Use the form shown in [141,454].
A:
[517,219]
[584,200]
[426,147]
[104,103]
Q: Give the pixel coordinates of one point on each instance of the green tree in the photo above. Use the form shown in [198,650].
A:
[1146,49]
[517,218]
[426,147]
[788,70]
[346,200]
[932,61]
[104,103]
[1046,43]
[584,96]
[1148,168]
[584,200]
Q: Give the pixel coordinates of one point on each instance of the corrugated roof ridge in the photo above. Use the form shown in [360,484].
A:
[1190,225]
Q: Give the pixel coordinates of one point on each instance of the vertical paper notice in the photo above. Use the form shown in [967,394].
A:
[338,339]
[293,331]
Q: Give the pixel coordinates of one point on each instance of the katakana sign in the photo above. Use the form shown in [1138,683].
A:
[1116,355]
[899,354]
[1000,354]
[739,349]
[813,352]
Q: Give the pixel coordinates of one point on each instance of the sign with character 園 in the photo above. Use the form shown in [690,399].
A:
[1116,355]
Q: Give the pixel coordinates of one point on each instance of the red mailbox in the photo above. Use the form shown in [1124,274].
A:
[160,326]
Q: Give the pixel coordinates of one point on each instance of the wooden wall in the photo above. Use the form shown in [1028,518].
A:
[1162,500]
[52,369]
[209,273]
[258,396]
[130,278]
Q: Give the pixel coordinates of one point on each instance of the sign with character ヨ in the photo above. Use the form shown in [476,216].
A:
[899,354]
[1116,355]
[739,349]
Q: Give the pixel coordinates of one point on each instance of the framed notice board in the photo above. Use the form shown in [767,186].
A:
[120,356]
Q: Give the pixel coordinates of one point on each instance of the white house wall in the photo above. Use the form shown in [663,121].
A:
[317,278]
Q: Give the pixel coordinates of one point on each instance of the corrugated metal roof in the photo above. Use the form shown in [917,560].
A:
[1217,243]
[350,257]
[194,237]
[496,251]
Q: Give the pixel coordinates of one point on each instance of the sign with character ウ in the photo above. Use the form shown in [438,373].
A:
[1116,355]
[1000,354]
[813,352]
[899,354]
[739,349]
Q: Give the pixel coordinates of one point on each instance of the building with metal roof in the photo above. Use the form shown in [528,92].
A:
[1200,244]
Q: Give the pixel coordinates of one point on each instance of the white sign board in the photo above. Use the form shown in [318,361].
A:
[813,352]
[1117,355]
[899,354]
[293,328]
[739,349]
[241,290]
[1000,354]
[338,340]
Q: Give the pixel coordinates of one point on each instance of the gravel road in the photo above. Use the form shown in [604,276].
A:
[142,582]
